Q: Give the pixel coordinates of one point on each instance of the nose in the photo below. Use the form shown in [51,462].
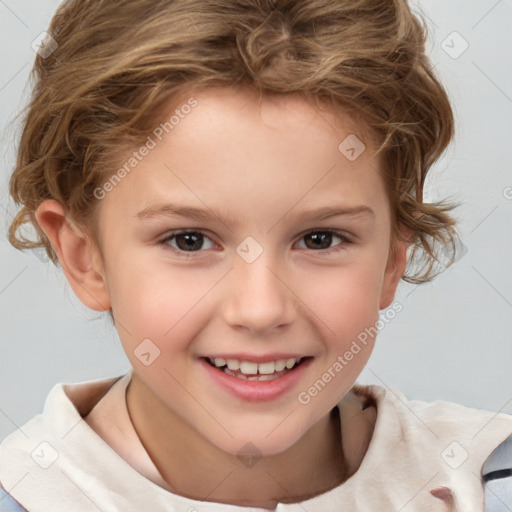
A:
[258,296]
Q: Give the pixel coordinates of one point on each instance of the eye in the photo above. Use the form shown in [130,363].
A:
[322,239]
[186,241]
[193,241]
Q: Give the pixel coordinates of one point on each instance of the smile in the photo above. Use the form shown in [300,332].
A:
[248,383]
[246,370]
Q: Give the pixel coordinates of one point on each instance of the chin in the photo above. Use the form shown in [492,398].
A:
[261,444]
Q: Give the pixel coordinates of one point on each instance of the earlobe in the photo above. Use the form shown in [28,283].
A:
[395,269]
[77,253]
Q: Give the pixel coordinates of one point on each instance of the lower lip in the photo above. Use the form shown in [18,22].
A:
[254,390]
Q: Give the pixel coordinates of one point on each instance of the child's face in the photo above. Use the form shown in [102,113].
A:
[259,169]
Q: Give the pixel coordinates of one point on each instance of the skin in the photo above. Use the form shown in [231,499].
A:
[262,163]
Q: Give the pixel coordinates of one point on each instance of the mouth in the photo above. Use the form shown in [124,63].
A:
[251,371]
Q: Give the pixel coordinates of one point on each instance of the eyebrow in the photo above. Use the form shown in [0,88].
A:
[326,212]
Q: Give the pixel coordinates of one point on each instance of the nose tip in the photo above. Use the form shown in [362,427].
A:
[258,299]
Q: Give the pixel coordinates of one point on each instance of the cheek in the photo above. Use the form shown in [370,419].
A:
[344,306]
[157,301]
[345,299]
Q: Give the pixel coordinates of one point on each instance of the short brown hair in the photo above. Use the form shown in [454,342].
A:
[99,91]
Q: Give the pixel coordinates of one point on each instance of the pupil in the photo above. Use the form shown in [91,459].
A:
[188,237]
[319,238]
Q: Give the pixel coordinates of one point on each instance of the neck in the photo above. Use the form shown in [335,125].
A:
[312,466]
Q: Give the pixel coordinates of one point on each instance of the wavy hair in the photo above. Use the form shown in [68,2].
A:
[99,92]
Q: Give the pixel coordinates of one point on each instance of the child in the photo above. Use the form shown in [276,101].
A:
[186,164]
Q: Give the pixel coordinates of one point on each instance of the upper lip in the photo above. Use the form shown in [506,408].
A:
[267,358]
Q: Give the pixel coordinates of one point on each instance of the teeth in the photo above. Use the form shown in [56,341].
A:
[248,368]
[266,368]
[241,376]
[233,364]
[290,362]
[280,365]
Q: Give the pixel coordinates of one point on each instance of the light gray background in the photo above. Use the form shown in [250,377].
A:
[452,340]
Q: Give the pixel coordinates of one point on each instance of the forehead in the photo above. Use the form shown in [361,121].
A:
[275,149]
[294,111]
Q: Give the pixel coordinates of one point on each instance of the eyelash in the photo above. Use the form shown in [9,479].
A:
[189,254]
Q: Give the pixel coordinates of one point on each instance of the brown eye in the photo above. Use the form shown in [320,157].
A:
[188,241]
[322,240]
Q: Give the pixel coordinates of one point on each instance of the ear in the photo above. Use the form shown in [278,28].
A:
[395,268]
[78,254]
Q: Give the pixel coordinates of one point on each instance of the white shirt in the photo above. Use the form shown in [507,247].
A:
[59,462]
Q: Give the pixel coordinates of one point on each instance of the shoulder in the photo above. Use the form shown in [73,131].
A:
[33,457]
[442,444]
[439,419]
[8,503]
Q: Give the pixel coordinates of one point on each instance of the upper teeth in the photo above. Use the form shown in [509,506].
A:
[248,368]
